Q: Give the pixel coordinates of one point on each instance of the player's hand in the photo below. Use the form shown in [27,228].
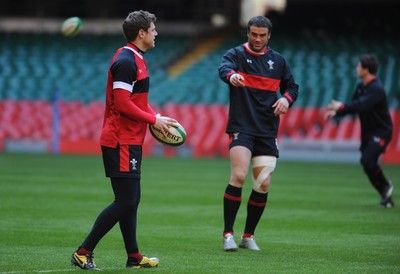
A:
[329,115]
[281,106]
[335,105]
[237,80]
[163,123]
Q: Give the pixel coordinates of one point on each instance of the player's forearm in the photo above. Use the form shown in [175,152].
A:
[126,107]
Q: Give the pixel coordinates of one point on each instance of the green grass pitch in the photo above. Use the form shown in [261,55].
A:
[320,217]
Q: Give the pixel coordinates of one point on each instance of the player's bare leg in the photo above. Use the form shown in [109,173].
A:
[240,160]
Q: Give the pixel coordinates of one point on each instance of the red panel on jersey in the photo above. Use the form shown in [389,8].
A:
[260,82]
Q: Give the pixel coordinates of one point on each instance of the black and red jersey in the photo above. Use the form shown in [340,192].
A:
[127,73]
[265,75]
[370,103]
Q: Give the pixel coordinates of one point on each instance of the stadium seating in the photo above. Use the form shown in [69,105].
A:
[36,69]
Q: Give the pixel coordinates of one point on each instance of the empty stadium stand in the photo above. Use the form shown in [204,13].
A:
[36,68]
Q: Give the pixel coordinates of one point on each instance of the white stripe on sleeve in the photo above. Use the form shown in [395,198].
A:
[123,85]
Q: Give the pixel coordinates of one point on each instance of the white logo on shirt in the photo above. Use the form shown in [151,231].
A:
[270,63]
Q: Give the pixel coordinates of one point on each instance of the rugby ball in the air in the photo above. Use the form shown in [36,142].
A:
[176,136]
[71,26]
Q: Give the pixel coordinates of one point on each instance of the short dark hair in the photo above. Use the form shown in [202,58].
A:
[136,21]
[370,63]
[261,22]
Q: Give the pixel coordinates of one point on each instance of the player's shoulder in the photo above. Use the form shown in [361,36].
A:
[123,61]
[124,57]
[377,86]
[275,54]
[377,82]
[126,54]
[375,89]
[276,57]
[235,50]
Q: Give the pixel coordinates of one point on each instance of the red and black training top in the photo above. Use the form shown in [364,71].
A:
[265,75]
[127,112]
[370,103]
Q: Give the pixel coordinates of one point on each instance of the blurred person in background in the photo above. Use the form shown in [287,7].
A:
[255,74]
[127,116]
[370,103]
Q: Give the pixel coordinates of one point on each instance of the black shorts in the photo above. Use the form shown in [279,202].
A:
[257,145]
[380,143]
[123,161]
[373,148]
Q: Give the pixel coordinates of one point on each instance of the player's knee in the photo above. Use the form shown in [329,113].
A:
[239,176]
[127,205]
[261,179]
[131,207]
[264,186]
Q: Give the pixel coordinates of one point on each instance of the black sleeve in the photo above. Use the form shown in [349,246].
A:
[228,65]
[124,70]
[288,88]
[363,103]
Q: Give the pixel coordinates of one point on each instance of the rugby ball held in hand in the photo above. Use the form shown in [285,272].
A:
[176,136]
[71,26]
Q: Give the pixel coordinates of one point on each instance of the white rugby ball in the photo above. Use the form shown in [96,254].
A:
[71,26]
[176,136]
